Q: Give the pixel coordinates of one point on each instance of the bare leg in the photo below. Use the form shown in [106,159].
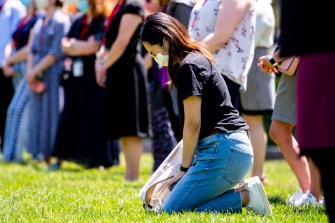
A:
[259,141]
[132,148]
[245,195]
[315,181]
[281,134]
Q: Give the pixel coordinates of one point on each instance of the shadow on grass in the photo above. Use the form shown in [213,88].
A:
[277,199]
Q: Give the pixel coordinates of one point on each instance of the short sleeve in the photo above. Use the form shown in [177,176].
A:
[190,81]
[134,7]
[75,26]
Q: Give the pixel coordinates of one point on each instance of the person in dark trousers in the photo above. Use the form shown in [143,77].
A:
[315,84]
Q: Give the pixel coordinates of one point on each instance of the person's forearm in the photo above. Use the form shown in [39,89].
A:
[230,14]
[79,48]
[19,56]
[190,141]
[44,64]
[114,53]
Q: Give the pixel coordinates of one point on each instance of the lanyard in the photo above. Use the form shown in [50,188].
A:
[112,15]
[84,28]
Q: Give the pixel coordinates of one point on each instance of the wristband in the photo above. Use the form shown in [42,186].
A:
[273,62]
[183,169]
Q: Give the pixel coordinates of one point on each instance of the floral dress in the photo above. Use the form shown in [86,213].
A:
[235,57]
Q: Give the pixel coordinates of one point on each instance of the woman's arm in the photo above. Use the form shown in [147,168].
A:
[18,56]
[128,25]
[29,64]
[229,16]
[74,47]
[44,64]
[191,131]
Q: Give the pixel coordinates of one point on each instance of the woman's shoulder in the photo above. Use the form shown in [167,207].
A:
[196,58]
[134,7]
[61,17]
[77,17]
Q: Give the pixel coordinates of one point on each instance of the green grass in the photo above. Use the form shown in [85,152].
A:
[28,193]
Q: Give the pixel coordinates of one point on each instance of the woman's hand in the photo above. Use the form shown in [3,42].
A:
[265,65]
[8,70]
[175,179]
[100,73]
[36,87]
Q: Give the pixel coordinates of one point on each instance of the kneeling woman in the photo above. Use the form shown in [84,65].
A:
[217,151]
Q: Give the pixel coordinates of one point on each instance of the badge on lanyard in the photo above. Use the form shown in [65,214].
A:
[78,66]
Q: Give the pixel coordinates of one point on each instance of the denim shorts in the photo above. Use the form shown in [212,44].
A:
[221,161]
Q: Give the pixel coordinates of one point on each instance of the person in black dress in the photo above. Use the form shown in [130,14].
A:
[81,133]
[121,70]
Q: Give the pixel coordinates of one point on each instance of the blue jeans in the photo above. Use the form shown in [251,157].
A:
[221,162]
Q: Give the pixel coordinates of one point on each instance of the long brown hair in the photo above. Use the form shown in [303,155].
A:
[159,26]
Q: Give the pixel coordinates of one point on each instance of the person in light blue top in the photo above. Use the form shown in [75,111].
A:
[11,12]
[15,138]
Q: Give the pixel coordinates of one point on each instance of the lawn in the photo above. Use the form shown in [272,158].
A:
[28,193]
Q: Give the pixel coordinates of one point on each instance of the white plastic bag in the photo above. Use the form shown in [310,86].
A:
[154,192]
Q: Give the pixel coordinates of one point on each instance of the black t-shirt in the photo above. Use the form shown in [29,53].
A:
[134,46]
[197,76]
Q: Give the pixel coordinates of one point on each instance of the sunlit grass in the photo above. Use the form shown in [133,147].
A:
[28,193]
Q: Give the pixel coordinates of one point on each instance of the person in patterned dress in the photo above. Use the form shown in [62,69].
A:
[45,61]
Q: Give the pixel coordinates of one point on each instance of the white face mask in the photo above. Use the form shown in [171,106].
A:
[162,59]
[41,4]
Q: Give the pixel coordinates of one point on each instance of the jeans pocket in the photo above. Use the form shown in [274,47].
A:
[238,165]
[206,153]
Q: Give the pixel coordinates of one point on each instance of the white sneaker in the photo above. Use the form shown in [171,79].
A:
[258,200]
[307,199]
[322,202]
[296,196]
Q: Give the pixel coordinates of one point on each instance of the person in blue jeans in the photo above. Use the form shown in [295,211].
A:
[217,152]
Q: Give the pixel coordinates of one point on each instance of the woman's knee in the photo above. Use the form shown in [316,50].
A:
[279,131]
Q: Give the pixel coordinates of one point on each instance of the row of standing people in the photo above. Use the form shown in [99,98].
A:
[69,58]
[89,111]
